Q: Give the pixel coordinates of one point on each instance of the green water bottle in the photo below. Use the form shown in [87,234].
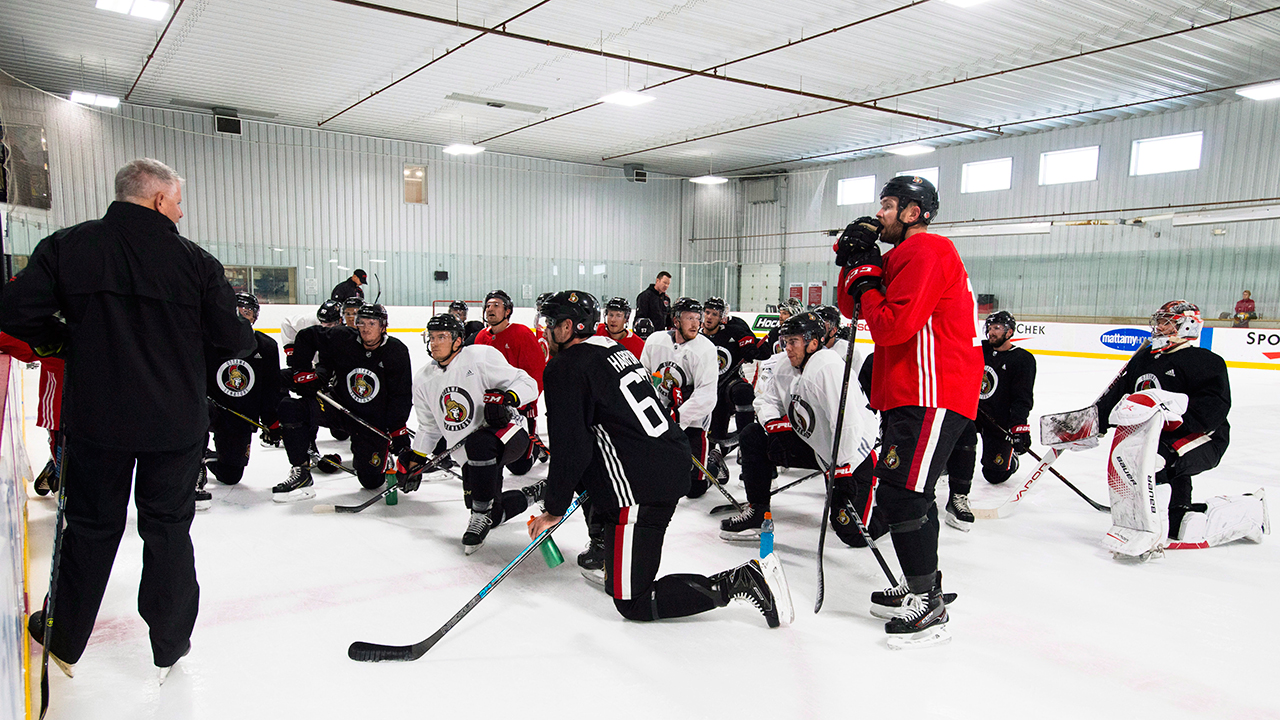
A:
[550,551]
[392,497]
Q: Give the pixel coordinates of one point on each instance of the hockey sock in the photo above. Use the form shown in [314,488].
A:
[513,503]
[915,542]
[960,468]
[673,596]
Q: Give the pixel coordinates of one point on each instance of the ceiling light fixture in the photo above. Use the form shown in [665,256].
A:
[627,98]
[709,180]
[912,149]
[84,98]
[376,260]
[342,267]
[1265,91]
[145,9]
[964,3]
[276,249]
[463,149]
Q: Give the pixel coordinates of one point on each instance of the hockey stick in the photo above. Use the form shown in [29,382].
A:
[1008,437]
[373,652]
[430,463]
[377,297]
[316,457]
[1005,508]
[726,508]
[53,576]
[320,394]
[835,451]
[862,529]
[716,481]
[245,418]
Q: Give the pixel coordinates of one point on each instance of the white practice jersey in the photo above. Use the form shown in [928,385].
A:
[449,401]
[815,395]
[290,326]
[773,388]
[691,366]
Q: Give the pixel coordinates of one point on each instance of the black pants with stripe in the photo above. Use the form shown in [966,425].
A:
[698,482]
[915,444]
[633,551]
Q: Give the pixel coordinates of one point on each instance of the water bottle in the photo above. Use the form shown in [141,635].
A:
[391,483]
[550,551]
[766,535]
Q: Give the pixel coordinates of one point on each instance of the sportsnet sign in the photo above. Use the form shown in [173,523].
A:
[1126,339]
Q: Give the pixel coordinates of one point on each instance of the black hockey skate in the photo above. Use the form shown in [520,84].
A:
[297,487]
[765,589]
[535,493]
[35,626]
[959,516]
[745,526]
[891,603]
[204,499]
[592,558]
[923,625]
[477,530]
[47,480]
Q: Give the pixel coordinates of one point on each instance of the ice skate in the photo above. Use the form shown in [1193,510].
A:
[204,499]
[164,671]
[595,576]
[923,625]
[592,557]
[891,603]
[745,526]
[535,493]
[477,530]
[959,516]
[297,487]
[35,626]
[47,480]
[748,583]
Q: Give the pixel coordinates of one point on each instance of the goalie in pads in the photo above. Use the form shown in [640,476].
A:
[1170,410]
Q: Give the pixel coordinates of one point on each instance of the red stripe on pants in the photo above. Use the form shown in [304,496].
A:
[619,556]
[922,442]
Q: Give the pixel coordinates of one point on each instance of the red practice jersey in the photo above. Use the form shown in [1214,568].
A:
[631,341]
[519,347]
[49,414]
[925,326]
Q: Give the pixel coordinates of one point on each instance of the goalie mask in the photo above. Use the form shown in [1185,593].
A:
[1176,322]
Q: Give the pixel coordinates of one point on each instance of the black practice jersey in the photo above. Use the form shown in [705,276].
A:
[375,385]
[735,344]
[609,432]
[1199,374]
[249,386]
[1008,379]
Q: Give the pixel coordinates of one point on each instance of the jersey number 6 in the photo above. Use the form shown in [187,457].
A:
[651,417]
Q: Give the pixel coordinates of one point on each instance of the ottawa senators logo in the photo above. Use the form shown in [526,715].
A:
[1148,381]
[891,458]
[722,359]
[990,381]
[362,385]
[375,460]
[666,378]
[801,415]
[235,377]
[999,460]
[458,408]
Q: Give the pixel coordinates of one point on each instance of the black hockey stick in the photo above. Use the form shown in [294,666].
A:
[245,418]
[726,508]
[430,463]
[373,652]
[871,543]
[716,481]
[54,563]
[835,451]
[320,394]
[1008,437]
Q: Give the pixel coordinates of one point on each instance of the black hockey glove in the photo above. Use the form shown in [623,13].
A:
[865,272]
[1020,436]
[858,236]
[400,441]
[408,461]
[272,436]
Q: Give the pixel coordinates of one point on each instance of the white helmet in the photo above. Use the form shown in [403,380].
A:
[1186,321]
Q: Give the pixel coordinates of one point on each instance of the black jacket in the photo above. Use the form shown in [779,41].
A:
[139,305]
[345,289]
[654,305]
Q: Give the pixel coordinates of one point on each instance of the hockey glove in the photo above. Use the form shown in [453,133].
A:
[306,382]
[407,461]
[778,425]
[677,399]
[400,440]
[271,436]
[1020,437]
[501,397]
[865,272]
[858,237]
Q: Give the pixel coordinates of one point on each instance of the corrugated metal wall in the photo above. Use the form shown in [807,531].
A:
[1105,270]
[328,199]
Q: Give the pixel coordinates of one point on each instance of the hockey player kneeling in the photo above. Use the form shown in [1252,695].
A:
[614,441]
[1170,410]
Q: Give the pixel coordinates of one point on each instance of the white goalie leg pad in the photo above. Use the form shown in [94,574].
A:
[1139,524]
[1227,518]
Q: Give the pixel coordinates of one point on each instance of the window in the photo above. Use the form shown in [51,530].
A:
[930,174]
[1170,153]
[852,191]
[269,284]
[1068,166]
[986,175]
[415,184]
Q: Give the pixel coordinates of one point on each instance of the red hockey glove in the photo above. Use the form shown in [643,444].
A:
[778,425]
[1021,437]
[306,382]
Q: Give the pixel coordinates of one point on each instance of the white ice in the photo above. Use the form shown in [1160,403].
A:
[1047,624]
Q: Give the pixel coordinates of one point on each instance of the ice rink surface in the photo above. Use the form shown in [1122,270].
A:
[1046,625]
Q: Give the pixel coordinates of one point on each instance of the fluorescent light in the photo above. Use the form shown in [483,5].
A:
[965,3]
[463,149]
[311,267]
[1213,217]
[84,98]
[149,9]
[120,6]
[912,149]
[1265,91]
[627,98]
[1040,228]
[276,249]
[376,260]
[333,261]
[709,180]
[340,267]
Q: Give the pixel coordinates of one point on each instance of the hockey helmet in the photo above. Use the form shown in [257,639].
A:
[808,325]
[457,305]
[715,303]
[684,305]
[445,322]
[644,328]
[537,304]
[500,295]
[618,303]
[791,306]
[374,312]
[1004,319]
[247,300]
[330,311]
[1186,322]
[352,302]
[913,188]
[579,306]
[830,316]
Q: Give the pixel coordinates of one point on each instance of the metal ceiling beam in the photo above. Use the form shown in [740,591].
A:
[433,61]
[1046,118]
[948,84]
[787,45]
[154,49]
[651,63]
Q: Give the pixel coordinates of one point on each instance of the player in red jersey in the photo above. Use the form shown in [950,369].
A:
[927,368]
[518,345]
[616,313]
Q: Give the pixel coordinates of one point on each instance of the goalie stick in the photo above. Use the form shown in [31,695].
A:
[373,652]
[726,508]
[1044,465]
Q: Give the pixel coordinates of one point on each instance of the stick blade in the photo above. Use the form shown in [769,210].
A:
[994,513]
[322,509]
[373,652]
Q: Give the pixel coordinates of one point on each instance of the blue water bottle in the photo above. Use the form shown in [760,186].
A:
[766,535]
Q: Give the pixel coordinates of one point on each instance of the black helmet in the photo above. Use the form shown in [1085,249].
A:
[714,303]
[537,304]
[577,305]
[329,311]
[457,305]
[500,295]
[913,188]
[618,303]
[829,315]
[686,304]
[353,302]
[1002,318]
[247,300]
[644,328]
[807,325]
[375,312]
[445,322]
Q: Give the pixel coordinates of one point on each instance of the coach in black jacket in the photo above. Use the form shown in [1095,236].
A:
[653,303]
[139,304]
[350,287]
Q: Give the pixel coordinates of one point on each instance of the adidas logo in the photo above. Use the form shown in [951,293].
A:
[1169,372]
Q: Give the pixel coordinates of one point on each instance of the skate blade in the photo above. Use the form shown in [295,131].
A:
[958,524]
[595,577]
[204,504]
[164,673]
[884,612]
[294,496]
[931,637]
[470,549]
[752,535]
[68,669]
[777,579]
